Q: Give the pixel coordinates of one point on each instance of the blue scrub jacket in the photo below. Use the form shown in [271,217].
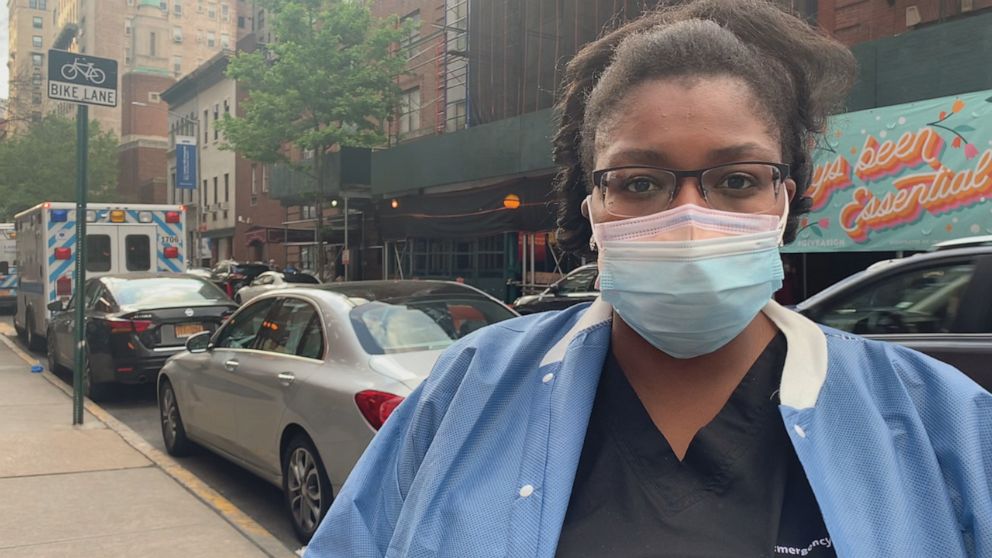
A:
[479,461]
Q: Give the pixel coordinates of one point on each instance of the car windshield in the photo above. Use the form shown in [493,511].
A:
[422,325]
[161,292]
[300,278]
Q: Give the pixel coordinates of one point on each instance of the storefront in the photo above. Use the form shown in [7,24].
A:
[893,181]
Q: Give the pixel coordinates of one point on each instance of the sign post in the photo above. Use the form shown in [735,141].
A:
[84,80]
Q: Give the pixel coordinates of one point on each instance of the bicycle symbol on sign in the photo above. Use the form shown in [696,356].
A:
[88,71]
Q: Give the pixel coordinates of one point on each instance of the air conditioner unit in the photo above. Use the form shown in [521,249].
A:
[223,206]
[912,16]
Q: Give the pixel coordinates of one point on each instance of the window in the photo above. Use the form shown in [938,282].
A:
[225,40]
[916,301]
[177,7]
[152,39]
[36,22]
[37,4]
[216,116]
[127,56]
[212,10]
[98,256]
[211,39]
[206,126]
[35,99]
[241,22]
[242,330]
[227,187]
[456,120]
[127,27]
[205,194]
[312,344]
[410,111]
[254,179]
[177,65]
[225,12]
[284,330]
[177,34]
[215,190]
[137,252]
[265,179]
[37,60]
[227,107]
[413,20]
[36,41]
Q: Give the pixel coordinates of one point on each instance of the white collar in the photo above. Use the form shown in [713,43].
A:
[805,361]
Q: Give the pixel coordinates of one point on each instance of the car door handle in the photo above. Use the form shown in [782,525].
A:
[286,378]
[231,365]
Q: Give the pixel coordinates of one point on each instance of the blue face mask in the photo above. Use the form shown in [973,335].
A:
[690,297]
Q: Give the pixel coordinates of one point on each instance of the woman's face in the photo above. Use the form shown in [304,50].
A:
[683,125]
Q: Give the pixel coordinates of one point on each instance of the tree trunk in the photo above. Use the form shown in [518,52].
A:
[319,207]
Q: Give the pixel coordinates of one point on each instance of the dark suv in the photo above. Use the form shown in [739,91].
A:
[576,287]
[939,303]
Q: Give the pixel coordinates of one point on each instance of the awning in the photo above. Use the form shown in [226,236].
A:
[472,213]
[277,235]
[902,177]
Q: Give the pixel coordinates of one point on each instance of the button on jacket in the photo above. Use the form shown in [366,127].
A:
[479,461]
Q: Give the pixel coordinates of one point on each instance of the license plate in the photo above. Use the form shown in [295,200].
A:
[186,330]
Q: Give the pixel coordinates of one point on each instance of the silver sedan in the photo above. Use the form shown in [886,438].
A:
[272,280]
[295,384]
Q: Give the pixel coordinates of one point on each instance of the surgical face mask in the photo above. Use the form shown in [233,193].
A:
[690,279]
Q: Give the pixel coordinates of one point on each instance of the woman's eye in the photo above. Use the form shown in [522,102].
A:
[639,185]
[737,182]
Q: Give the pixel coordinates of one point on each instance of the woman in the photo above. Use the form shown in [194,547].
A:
[684,413]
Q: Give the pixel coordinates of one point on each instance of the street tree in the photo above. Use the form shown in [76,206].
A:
[39,164]
[327,80]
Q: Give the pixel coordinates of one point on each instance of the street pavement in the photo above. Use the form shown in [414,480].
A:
[99,489]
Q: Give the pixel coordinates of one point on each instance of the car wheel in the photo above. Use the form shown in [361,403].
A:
[33,341]
[53,361]
[95,391]
[173,431]
[305,486]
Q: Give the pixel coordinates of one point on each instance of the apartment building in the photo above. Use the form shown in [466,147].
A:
[30,22]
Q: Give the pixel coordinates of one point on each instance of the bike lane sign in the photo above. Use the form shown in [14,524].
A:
[79,78]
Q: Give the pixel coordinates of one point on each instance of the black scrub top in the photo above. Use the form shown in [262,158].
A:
[740,490]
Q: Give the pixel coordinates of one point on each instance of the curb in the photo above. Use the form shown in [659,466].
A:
[244,524]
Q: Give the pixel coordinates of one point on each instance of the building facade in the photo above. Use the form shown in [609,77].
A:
[231,213]
[30,23]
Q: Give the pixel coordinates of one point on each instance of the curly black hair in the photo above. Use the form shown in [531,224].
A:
[798,76]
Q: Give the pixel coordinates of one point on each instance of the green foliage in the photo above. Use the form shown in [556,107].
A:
[328,78]
[40,165]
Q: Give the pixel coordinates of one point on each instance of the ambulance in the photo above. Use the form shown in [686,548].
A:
[119,239]
[8,267]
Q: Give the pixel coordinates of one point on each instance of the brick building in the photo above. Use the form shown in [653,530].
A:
[29,25]
[858,21]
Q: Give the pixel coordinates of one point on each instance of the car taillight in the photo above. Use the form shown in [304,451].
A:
[376,406]
[127,326]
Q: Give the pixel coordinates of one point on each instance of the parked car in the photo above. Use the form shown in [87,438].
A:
[576,287]
[937,302]
[134,322]
[231,275]
[272,280]
[294,386]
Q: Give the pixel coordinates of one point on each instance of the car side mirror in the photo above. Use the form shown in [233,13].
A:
[56,306]
[198,343]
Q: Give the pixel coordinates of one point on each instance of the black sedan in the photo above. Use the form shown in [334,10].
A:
[134,322]
[938,303]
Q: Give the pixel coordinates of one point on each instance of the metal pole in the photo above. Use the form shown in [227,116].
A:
[347,263]
[82,135]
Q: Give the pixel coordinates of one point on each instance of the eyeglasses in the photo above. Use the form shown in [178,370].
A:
[742,187]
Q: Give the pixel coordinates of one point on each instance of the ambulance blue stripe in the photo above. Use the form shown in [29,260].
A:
[69,243]
[59,271]
[163,225]
[133,214]
[52,238]
[168,263]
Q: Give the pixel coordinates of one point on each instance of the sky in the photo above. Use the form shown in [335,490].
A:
[3,52]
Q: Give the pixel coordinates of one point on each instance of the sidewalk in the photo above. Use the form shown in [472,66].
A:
[98,489]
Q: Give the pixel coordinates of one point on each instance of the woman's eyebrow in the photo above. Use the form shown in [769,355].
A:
[740,151]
